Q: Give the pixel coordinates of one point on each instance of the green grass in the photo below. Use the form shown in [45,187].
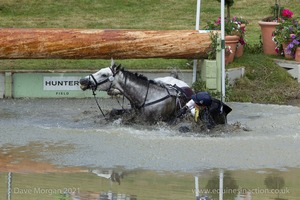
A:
[132,14]
[91,64]
[257,86]
[264,81]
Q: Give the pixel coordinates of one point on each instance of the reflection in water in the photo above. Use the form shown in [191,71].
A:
[59,186]
[228,183]
[146,184]
[274,182]
[27,158]
[111,196]
[30,176]
[138,184]
[248,185]
[58,152]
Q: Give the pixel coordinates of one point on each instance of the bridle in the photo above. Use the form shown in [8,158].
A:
[110,79]
[94,87]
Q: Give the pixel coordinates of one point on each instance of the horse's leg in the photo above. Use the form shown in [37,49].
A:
[117,113]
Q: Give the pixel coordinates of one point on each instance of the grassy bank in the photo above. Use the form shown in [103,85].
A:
[264,81]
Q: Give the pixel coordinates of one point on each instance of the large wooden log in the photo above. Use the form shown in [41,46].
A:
[102,44]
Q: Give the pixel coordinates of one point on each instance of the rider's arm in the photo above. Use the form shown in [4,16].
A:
[190,105]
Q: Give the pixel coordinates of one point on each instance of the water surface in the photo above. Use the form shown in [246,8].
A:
[64,147]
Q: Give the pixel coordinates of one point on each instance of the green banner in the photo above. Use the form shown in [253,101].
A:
[50,85]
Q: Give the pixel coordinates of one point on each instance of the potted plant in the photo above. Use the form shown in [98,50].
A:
[241,43]
[293,47]
[212,54]
[232,35]
[282,36]
[268,26]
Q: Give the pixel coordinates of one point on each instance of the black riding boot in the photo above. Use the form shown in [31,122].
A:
[206,118]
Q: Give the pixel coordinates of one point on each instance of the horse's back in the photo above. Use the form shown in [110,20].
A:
[171,81]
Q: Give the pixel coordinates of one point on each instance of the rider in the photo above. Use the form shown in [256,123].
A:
[211,111]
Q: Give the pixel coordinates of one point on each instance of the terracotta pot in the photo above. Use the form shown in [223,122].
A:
[231,40]
[267,29]
[288,56]
[240,48]
[297,54]
[239,51]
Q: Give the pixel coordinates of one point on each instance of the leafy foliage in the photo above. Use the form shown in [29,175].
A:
[283,33]
[231,27]
[213,46]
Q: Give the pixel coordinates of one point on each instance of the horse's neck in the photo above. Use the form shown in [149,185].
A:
[133,89]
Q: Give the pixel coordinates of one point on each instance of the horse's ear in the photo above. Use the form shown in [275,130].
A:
[112,62]
[119,67]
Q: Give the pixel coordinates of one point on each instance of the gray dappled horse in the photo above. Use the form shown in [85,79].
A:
[152,101]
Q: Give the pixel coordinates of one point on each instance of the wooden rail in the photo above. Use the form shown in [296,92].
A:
[102,44]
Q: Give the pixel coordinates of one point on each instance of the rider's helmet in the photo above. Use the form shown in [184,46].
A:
[202,99]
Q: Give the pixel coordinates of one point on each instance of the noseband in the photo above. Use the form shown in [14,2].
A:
[110,79]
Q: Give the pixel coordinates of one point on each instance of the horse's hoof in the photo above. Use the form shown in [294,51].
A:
[184,129]
[116,112]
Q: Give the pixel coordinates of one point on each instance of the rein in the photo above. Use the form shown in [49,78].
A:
[156,101]
[98,105]
[111,79]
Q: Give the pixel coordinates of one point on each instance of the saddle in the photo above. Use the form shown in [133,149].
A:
[185,92]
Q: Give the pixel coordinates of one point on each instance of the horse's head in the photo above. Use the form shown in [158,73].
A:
[98,80]
[101,80]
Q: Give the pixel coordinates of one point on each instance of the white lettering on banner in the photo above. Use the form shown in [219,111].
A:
[61,83]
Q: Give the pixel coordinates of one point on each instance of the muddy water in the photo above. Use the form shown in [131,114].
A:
[56,147]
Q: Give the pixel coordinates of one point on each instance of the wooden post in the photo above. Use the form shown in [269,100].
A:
[102,44]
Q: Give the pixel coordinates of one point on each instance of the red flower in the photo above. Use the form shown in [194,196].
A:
[287,13]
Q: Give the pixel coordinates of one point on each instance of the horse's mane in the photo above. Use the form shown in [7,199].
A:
[140,78]
[134,75]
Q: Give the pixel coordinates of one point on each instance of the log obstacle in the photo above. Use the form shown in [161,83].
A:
[102,44]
